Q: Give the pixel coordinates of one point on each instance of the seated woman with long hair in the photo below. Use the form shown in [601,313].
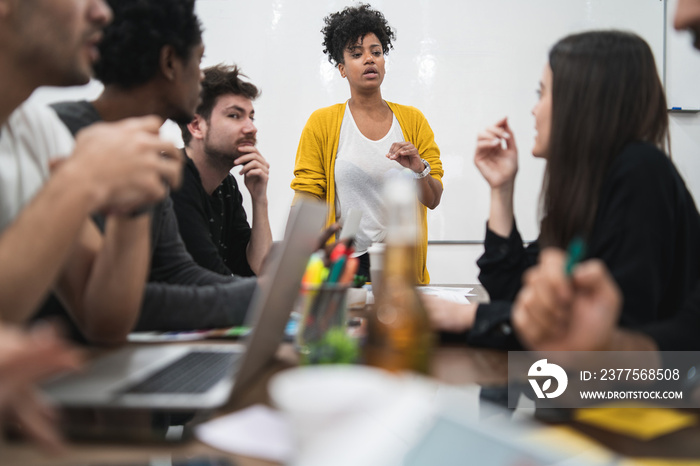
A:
[601,123]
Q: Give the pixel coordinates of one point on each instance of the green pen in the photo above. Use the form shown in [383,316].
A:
[238,331]
[574,253]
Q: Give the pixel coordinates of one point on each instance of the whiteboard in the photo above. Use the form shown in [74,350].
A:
[463,63]
[682,67]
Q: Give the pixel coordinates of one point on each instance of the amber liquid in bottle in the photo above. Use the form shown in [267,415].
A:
[399,335]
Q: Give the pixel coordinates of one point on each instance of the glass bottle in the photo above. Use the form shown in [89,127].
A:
[399,335]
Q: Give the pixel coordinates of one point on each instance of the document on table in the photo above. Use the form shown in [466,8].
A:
[257,431]
[457,295]
[448,293]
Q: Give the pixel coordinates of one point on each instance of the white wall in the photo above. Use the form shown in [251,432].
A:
[683,88]
[453,264]
[685,148]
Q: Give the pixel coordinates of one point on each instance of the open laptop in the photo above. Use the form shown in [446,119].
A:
[190,376]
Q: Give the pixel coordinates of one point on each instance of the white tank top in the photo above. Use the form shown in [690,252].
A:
[361,167]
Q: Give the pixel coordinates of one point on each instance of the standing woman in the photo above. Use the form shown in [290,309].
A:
[347,150]
[601,124]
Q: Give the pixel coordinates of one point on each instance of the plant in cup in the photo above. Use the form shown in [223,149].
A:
[335,347]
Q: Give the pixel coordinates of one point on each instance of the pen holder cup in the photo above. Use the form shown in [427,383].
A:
[322,333]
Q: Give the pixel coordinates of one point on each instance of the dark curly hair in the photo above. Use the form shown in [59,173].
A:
[220,80]
[346,27]
[130,50]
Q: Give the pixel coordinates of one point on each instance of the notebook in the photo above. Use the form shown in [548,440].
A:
[191,376]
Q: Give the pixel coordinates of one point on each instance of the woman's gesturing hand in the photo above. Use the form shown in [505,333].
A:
[498,165]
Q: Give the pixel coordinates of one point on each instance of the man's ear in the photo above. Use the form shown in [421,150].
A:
[197,127]
[167,62]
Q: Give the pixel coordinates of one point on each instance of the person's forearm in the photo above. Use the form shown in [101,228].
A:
[501,211]
[34,248]
[260,236]
[114,290]
[171,307]
[429,192]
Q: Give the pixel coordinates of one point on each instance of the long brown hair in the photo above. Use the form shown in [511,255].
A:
[606,93]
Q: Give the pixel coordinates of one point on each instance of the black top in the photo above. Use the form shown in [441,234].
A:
[214,227]
[681,332]
[647,231]
[179,295]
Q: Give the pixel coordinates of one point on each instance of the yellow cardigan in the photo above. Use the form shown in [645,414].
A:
[314,168]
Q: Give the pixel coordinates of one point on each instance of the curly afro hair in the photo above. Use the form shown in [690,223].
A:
[346,27]
[130,49]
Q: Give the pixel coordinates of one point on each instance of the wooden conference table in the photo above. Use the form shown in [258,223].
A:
[452,365]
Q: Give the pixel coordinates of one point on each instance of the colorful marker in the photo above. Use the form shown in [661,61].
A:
[574,254]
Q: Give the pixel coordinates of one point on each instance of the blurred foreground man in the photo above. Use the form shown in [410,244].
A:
[46,239]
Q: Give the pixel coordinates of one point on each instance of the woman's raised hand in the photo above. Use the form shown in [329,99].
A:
[498,165]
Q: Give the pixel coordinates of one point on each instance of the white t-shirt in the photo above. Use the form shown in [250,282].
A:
[361,167]
[32,136]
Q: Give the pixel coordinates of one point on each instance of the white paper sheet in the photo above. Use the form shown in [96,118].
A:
[257,431]
[457,295]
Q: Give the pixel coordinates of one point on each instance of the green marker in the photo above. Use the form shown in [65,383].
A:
[574,253]
[237,331]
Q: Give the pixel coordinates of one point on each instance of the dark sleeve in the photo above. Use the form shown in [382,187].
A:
[503,263]
[237,232]
[182,295]
[76,115]
[681,332]
[171,263]
[634,234]
[193,223]
[492,329]
[501,268]
[169,307]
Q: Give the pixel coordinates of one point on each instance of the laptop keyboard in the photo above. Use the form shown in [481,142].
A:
[195,372]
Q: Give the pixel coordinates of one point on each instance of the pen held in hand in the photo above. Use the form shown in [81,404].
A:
[575,252]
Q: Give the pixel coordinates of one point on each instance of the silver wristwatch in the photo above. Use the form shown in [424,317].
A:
[425,172]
